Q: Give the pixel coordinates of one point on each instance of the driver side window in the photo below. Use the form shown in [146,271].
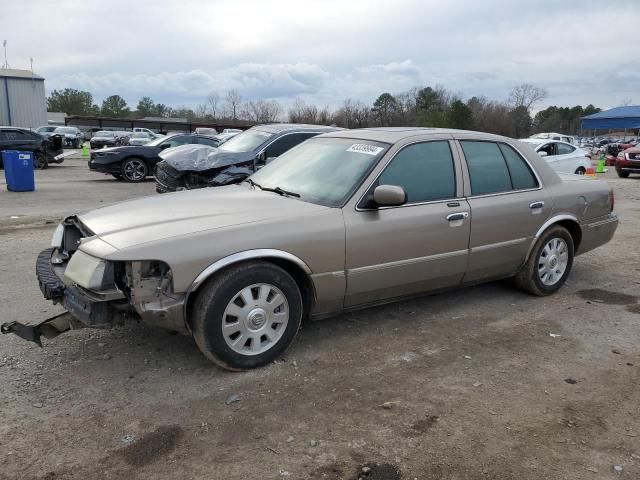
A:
[287,142]
[550,149]
[424,170]
[179,140]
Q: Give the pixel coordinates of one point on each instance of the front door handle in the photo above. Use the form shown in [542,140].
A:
[536,205]
[452,217]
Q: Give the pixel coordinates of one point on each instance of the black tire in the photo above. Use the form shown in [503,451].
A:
[40,161]
[622,174]
[76,144]
[580,171]
[528,279]
[214,297]
[134,170]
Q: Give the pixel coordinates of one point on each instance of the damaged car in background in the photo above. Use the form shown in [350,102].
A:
[46,150]
[234,160]
[346,220]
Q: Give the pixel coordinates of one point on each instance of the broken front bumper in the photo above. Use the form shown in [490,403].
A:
[91,311]
[83,310]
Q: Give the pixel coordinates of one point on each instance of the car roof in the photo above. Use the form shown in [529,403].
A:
[281,127]
[395,134]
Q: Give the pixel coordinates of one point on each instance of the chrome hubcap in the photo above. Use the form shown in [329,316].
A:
[255,319]
[553,261]
[135,170]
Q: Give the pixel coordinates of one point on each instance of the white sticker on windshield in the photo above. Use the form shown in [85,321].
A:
[364,148]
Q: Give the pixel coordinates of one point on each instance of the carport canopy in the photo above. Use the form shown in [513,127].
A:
[614,118]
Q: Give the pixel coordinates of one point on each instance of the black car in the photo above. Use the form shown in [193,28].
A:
[235,159]
[135,163]
[44,150]
[104,138]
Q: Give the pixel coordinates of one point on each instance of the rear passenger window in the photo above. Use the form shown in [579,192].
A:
[564,149]
[521,175]
[424,170]
[487,168]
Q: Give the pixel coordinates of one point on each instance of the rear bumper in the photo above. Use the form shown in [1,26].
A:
[598,232]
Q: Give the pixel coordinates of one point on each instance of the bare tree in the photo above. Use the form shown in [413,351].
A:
[262,111]
[526,95]
[300,112]
[201,111]
[233,102]
[324,116]
[213,100]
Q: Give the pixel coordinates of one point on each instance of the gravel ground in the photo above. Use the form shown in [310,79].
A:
[463,385]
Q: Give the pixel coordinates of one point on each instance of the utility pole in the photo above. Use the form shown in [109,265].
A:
[6,64]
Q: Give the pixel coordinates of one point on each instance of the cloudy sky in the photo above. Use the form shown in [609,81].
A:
[324,51]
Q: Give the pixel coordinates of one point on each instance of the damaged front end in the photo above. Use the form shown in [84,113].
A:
[97,292]
[190,167]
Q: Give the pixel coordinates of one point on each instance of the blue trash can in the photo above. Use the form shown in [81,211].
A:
[18,170]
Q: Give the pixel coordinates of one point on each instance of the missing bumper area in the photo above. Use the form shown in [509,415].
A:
[50,328]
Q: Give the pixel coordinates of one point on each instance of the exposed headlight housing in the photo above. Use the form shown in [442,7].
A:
[56,240]
[85,270]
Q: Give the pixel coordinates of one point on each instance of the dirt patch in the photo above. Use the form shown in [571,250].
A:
[424,425]
[378,471]
[152,446]
[334,471]
[634,308]
[605,296]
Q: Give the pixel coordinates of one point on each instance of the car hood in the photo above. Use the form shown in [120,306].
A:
[191,161]
[159,217]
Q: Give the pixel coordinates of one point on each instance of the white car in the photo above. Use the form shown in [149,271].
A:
[561,156]
[554,136]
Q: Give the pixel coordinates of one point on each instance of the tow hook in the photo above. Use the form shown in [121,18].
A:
[49,328]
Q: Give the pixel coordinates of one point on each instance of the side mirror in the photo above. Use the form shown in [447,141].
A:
[261,159]
[389,196]
[542,153]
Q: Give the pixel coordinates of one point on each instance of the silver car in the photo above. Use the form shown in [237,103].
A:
[343,221]
[140,138]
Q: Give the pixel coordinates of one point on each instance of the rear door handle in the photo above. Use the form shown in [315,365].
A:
[536,205]
[452,217]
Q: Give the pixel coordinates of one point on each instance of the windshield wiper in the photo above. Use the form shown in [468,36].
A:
[277,190]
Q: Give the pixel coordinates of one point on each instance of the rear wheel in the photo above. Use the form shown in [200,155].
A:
[580,171]
[40,161]
[134,170]
[549,264]
[622,174]
[247,316]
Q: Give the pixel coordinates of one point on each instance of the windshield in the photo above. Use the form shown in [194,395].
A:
[325,171]
[104,133]
[246,141]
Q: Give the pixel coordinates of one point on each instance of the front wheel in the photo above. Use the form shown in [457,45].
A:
[549,264]
[580,171]
[134,170]
[40,161]
[247,316]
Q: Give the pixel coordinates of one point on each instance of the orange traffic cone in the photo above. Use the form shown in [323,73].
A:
[590,172]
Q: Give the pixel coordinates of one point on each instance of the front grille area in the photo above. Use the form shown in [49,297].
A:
[167,177]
